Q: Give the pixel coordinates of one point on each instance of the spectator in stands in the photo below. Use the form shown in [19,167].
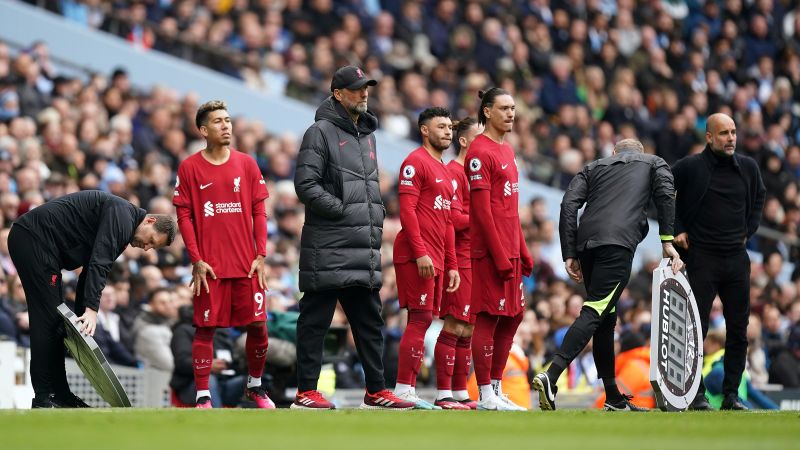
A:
[559,87]
[783,364]
[714,374]
[8,326]
[153,332]
[107,334]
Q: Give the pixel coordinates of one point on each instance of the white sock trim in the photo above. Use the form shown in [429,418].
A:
[253,382]
[400,388]
[461,395]
[486,391]
[205,393]
[497,386]
[444,393]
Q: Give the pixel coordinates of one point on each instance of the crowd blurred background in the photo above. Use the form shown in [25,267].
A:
[583,74]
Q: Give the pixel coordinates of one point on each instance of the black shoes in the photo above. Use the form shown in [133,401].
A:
[68,400]
[45,402]
[700,403]
[732,403]
[624,405]
[547,392]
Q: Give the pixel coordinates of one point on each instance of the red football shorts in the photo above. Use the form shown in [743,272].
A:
[231,302]
[457,304]
[417,293]
[493,295]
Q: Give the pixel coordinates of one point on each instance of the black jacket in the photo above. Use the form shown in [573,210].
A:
[692,177]
[88,229]
[337,180]
[617,191]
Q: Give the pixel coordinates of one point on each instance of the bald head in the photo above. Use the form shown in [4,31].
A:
[717,119]
[721,134]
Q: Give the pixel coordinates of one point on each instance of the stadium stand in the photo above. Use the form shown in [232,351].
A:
[582,76]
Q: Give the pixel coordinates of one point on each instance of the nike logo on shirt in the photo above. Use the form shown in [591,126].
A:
[341,144]
[203,186]
[438,180]
[504,166]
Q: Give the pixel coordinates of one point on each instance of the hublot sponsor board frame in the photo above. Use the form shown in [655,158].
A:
[676,342]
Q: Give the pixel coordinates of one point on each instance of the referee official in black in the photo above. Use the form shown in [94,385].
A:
[720,198]
[617,192]
[88,229]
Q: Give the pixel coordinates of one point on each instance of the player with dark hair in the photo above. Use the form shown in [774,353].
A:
[455,339]
[219,197]
[498,248]
[425,248]
[87,229]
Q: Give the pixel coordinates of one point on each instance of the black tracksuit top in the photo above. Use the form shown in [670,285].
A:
[617,191]
[88,229]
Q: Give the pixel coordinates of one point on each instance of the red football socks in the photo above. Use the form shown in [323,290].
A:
[256,350]
[412,346]
[463,361]
[503,339]
[483,347]
[445,359]
[202,356]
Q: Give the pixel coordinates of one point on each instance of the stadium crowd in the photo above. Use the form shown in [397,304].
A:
[582,76]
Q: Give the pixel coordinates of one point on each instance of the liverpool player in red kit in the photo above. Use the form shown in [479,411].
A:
[425,246]
[455,339]
[219,196]
[498,248]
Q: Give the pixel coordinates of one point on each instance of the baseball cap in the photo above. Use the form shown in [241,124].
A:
[350,77]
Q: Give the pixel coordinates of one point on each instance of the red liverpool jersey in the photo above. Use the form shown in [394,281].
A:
[220,200]
[460,205]
[492,166]
[426,178]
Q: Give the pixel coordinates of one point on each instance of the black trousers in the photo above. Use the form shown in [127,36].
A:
[362,306]
[729,276]
[606,271]
[41,279]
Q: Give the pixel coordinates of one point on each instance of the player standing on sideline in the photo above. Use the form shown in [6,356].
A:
[616,191]
[219,197]
[424,248]
[455,339]
[498,252]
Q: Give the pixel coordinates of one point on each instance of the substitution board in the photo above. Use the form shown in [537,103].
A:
[676,341]
[92,362]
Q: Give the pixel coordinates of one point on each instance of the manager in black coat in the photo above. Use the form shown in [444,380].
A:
[720,196]
[88,229]
[337,181]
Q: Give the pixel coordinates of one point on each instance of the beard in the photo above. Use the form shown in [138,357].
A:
[358,108]
[440,145]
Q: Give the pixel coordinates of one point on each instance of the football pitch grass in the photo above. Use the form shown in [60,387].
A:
[151,429]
